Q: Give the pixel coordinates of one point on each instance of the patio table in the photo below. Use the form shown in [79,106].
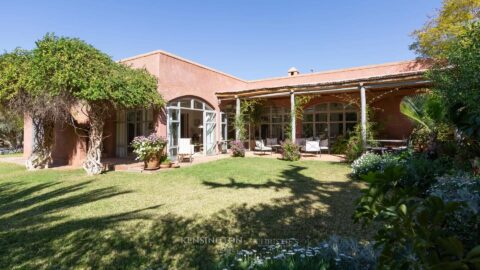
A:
[385,147]
[275,147]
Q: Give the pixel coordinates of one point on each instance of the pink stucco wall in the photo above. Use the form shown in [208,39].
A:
[178,77]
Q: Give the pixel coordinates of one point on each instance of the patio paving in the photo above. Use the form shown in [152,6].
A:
[14,160]
[131,165]
[322,157]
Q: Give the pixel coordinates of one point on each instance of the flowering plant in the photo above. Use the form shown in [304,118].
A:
[370,162]
[335,252]
[238,150]
[149,147]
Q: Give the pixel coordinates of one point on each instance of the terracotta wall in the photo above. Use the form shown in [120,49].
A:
[391,122]
[70,148]
[109,134]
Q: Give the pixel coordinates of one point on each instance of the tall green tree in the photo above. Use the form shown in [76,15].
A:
[84,76]
[458,84]
[439,33]
[11,64]
[17,96]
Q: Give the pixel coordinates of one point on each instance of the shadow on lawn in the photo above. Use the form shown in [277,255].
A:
[35,237]
[313,210]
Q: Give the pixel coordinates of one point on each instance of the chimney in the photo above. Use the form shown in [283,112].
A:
[293,72]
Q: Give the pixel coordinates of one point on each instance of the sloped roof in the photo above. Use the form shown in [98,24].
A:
[338,75]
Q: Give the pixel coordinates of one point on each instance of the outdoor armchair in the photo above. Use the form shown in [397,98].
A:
[185,149]
[324,145]
[260,147]
[312,147]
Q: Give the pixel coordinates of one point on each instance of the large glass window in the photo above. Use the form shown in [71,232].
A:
[193,116]
[328,120]
[274,122]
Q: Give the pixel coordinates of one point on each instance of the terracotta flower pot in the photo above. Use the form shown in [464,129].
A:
[166,165]
[152,163]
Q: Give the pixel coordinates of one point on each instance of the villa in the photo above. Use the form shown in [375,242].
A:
[202,103]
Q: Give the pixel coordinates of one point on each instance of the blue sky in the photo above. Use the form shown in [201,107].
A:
[249,39]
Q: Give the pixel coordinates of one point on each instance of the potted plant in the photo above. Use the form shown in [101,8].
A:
[149,149]
[165,162]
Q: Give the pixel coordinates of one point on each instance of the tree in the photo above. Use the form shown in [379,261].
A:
[459,84]
[439,33]
[84,76]
[18,95]
[423,109]
[11,127]
[432,129]
[11,64]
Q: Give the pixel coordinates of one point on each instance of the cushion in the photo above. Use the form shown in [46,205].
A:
[271,141]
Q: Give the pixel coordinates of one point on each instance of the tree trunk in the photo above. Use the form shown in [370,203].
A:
[44,139]
[93,163]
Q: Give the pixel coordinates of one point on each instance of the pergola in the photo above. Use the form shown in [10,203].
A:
[377,86]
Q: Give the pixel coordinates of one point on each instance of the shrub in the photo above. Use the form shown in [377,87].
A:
[238,149]
[355,147]
[414,231]
[370,162]
[148,147]
[420,139]
[466,190]
[421,172]
[340,145]
[333,253]
[164,159]
[290,151]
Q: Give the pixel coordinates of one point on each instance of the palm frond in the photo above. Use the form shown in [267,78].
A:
[412,107]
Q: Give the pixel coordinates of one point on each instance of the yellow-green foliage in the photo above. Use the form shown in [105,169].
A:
[438,33]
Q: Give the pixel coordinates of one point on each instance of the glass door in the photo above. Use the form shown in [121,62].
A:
[209,127]
[173,131]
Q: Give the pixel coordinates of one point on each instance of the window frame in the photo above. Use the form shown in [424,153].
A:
[317,109]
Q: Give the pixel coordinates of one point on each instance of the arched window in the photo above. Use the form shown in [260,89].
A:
[329,120]
[191,104]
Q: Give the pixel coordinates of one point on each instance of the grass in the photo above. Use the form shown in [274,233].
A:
[65,219]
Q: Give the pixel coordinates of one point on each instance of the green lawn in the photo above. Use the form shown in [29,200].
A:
[64,219]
